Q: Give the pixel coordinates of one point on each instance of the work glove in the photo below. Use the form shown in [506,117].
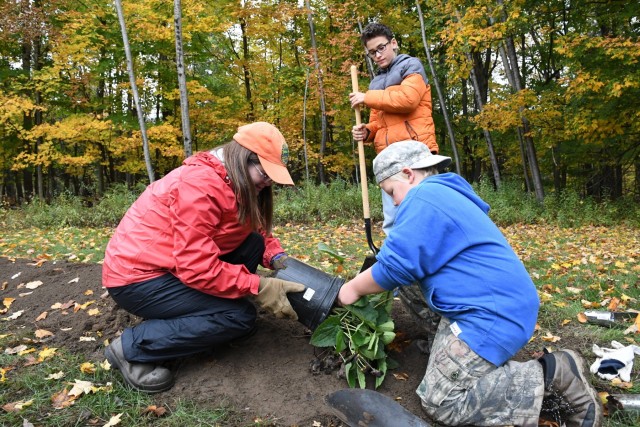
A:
[614,362]
[272,296]
[279,261]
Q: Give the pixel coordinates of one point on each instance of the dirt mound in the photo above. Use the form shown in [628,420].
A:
[266,377]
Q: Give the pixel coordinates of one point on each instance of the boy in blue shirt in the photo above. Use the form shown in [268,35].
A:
[468,273]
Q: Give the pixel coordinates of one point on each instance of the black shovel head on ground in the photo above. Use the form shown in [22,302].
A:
[368,408]
[370,259]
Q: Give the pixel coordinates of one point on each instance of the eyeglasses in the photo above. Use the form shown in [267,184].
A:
[263,176]
[379,50]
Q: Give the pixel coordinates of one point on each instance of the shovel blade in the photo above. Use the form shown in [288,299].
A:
[368,408]
[368,262]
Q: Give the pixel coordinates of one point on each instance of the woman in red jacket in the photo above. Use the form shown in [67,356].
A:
[184,256]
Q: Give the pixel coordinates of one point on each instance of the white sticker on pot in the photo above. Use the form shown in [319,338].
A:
[308,294]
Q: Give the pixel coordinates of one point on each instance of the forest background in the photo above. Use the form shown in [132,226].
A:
[540,92]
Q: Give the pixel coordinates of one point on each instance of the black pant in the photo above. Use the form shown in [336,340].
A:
[181,321]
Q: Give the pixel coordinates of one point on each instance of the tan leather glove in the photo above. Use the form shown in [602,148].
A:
[272,296]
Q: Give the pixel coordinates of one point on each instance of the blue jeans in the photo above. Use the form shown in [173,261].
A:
[181,321]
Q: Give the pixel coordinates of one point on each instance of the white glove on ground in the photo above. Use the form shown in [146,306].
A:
[614,362]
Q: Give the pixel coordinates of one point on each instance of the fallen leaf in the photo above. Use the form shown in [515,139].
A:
[41,333]
[8,301]
[62,400]
[15,350]
[81,387]
[115,420]
[87,368]
[401,376]
[86,339]
[15,276]
[55,376]
[47,353]
[158,411]
[17,406]
[582,318]
[93,312]
[42,316]
[33,285]
[14,316]
[74,280]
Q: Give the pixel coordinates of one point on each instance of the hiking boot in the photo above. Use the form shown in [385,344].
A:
[567,391]
[145,377]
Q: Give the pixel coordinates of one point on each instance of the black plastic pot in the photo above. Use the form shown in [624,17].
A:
[315,303]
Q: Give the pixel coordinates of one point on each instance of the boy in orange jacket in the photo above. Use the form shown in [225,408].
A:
[399,97]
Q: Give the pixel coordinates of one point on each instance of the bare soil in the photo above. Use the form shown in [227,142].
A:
[266,380]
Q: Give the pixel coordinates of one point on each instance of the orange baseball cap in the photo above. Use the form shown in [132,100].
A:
[267,142]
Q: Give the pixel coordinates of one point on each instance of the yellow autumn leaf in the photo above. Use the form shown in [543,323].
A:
[582,318]
[8,301]
[55,376]
[87,368]
[81,387]
[47,353]
[566,321]
[93,312]
[550,338]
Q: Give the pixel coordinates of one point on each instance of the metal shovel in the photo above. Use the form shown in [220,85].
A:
[370,259]
[368,408]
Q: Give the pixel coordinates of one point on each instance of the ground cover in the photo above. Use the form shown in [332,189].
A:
[266,380]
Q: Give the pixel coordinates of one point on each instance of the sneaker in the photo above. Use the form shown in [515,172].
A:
[145,377]
[568,392]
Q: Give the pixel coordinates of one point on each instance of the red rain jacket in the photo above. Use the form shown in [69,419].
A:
[181,224]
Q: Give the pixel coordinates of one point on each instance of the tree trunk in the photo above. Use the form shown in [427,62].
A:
[304,125]
[245,70]
[134,90]
[443,106]
[323,108]
[182,81]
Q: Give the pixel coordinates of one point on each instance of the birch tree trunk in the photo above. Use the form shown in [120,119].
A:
[134,90]
[182,81]
[443,106]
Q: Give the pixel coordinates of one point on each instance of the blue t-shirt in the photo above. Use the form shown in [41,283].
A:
[468,272]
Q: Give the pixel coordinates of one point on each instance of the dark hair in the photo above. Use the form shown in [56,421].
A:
[257,212]
[373,30]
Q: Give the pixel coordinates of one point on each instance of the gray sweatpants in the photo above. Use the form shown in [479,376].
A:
[462,388]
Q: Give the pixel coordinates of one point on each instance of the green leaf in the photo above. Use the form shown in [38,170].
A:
[341,345]
[362,380]
[388,337]
[350,374]
[323,247]
[326,332]
[382,367]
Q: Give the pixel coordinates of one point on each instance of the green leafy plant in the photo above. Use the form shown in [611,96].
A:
[359,334]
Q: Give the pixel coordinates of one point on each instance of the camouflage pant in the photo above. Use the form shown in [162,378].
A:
[461,388]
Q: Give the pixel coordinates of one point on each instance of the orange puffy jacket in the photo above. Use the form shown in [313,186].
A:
[400,102]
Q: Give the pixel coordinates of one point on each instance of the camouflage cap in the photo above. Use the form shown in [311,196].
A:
[406,154]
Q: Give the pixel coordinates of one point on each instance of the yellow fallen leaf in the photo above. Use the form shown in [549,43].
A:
[550,338]
[8,301]
[81,387]
[47,353]
[566,321]
[87,368]
[93,312]
[42,316]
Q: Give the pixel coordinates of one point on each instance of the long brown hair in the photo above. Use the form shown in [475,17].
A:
[256,211]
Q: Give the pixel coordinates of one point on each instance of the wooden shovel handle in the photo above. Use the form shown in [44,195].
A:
[363,171]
